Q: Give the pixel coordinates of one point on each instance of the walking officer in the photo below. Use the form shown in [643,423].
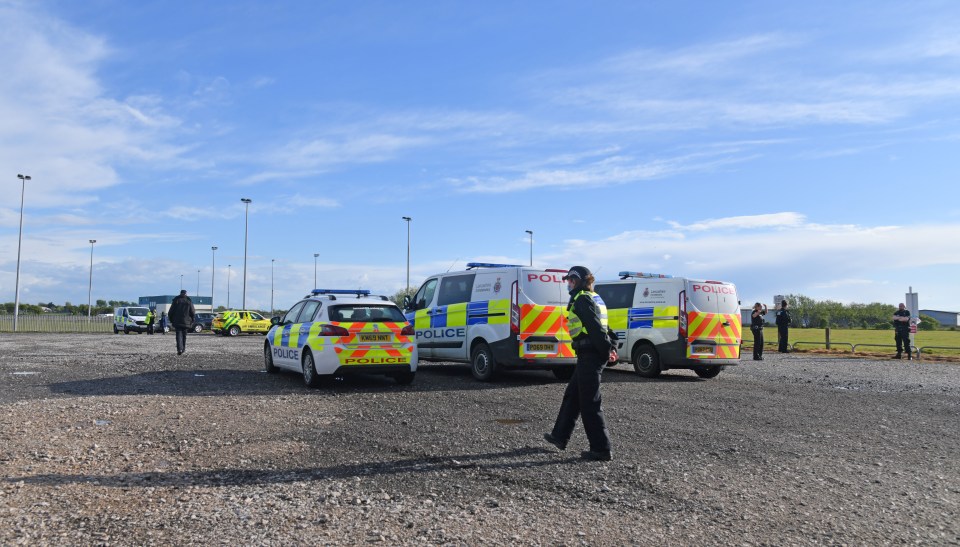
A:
[587,322]
[783,326]
[756,327]
[901,327]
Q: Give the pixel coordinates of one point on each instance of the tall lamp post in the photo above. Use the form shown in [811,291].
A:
[531,245]
[213,273]
[198,284]
[315,255]
[228,286]
[90,287]
[246,224]
[408,219]
[181,282]
[16,298]
[272,260]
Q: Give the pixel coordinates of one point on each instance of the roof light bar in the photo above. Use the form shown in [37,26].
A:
[472,265]
[625,275]
[358,292]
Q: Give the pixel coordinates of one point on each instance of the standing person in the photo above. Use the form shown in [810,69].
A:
[587,322]
[163,322]
[756,327]
[783,326]
[150,317]
[182,315]
[901,327]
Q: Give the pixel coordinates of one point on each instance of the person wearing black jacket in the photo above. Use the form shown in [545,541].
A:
[756,327]
[587,322]
[182,316]
[901,329]
[783,326]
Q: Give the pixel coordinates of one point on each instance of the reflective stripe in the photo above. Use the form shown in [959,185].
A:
[710,327]
[574,324]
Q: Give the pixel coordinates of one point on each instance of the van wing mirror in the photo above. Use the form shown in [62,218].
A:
[407,302]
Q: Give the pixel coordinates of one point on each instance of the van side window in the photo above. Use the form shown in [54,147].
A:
[618,295]
[425,295]
[455,289]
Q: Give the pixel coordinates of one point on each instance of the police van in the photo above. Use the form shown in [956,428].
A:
[666,322]
[494,317]
[130,319]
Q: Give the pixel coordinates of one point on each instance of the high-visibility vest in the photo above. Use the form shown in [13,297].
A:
[574,325]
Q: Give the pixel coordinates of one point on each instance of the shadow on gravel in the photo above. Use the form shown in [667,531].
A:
[519,457]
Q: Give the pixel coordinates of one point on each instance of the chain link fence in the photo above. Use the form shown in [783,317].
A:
[56,323]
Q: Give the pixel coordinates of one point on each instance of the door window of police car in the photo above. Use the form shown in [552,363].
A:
[455,289]
[424,296]
[617,296]
[291,316]
[306,314]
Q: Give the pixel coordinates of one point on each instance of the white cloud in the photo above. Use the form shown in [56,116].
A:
[744,222]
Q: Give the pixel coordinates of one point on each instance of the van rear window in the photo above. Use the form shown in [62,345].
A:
[544,288]
[366,314]
[713,297]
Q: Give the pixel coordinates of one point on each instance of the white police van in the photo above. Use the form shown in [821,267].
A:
[336,332]
[130,319]
[494,316]
[666,322]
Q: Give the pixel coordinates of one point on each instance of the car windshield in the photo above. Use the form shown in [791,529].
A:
[370,313]
[137,311]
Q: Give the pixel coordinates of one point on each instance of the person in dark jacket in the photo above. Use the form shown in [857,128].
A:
[783,327]
[756,327]
[587,322]
[182,316]
[901,330]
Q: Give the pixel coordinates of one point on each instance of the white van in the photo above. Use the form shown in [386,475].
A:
[494,316]
[130,319]
[669,322]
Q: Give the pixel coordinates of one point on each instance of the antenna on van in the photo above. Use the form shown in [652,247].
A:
[453,264]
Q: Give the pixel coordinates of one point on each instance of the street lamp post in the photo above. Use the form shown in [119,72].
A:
[246,224]
[531,245]
[198,284]
[408,219]
[90,287]
[272,260]
[228,286]
[315,255]
[16,298]
[181,282]
[213,273]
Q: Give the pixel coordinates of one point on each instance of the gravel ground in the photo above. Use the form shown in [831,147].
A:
[115,440]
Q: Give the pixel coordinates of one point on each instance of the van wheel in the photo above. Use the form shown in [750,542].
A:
[310,376]
[116,330]
[482,364]
[708,372]
[126,330]
[268,360]
[646,362]
[234,330]
[563,373]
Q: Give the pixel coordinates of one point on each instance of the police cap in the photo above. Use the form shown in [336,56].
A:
[577,272]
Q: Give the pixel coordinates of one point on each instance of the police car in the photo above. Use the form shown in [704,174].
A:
[494,316]
[666,322]
[335,332]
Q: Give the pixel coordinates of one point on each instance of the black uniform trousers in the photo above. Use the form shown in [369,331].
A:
[757,342]
[582,399]
[902,337]
[782,332]
[181,339]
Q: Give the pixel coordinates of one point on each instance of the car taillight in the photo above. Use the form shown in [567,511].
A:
[333,330]
[682,320]
[408,331]
[514,309]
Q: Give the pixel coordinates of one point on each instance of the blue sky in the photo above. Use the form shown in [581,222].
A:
[807,148]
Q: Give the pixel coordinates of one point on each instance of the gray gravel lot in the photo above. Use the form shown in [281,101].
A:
[115,440]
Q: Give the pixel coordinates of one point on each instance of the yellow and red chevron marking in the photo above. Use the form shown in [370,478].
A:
[538,320]
[710,326]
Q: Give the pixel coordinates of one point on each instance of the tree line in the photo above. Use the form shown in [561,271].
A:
[806,312]
[67,308]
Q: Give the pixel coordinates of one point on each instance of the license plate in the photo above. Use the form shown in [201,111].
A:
[703,349]
[375,337]
[542,347]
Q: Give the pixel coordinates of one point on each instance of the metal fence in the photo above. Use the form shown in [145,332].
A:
[56,323]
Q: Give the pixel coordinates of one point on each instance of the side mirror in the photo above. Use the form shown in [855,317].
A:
[275,320]
[406,302]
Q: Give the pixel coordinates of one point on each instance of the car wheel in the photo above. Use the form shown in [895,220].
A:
[310,376]
[404,378]
[234,330]
[646,362]
[198,329]
[708,372]
[482,364]
[268,360]
[563,373]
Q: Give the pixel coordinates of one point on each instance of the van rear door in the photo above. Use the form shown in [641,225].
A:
[713,316]
[542,300]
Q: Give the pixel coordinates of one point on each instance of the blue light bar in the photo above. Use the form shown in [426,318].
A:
[624,275]
[471,265]
[358,292]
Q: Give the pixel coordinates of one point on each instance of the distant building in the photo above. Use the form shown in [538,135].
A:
[945,318]
[162,303]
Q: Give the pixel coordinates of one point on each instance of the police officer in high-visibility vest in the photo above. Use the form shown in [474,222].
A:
[150,317]
[587,323]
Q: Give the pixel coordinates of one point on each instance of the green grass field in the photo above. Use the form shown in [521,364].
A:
[861,336]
